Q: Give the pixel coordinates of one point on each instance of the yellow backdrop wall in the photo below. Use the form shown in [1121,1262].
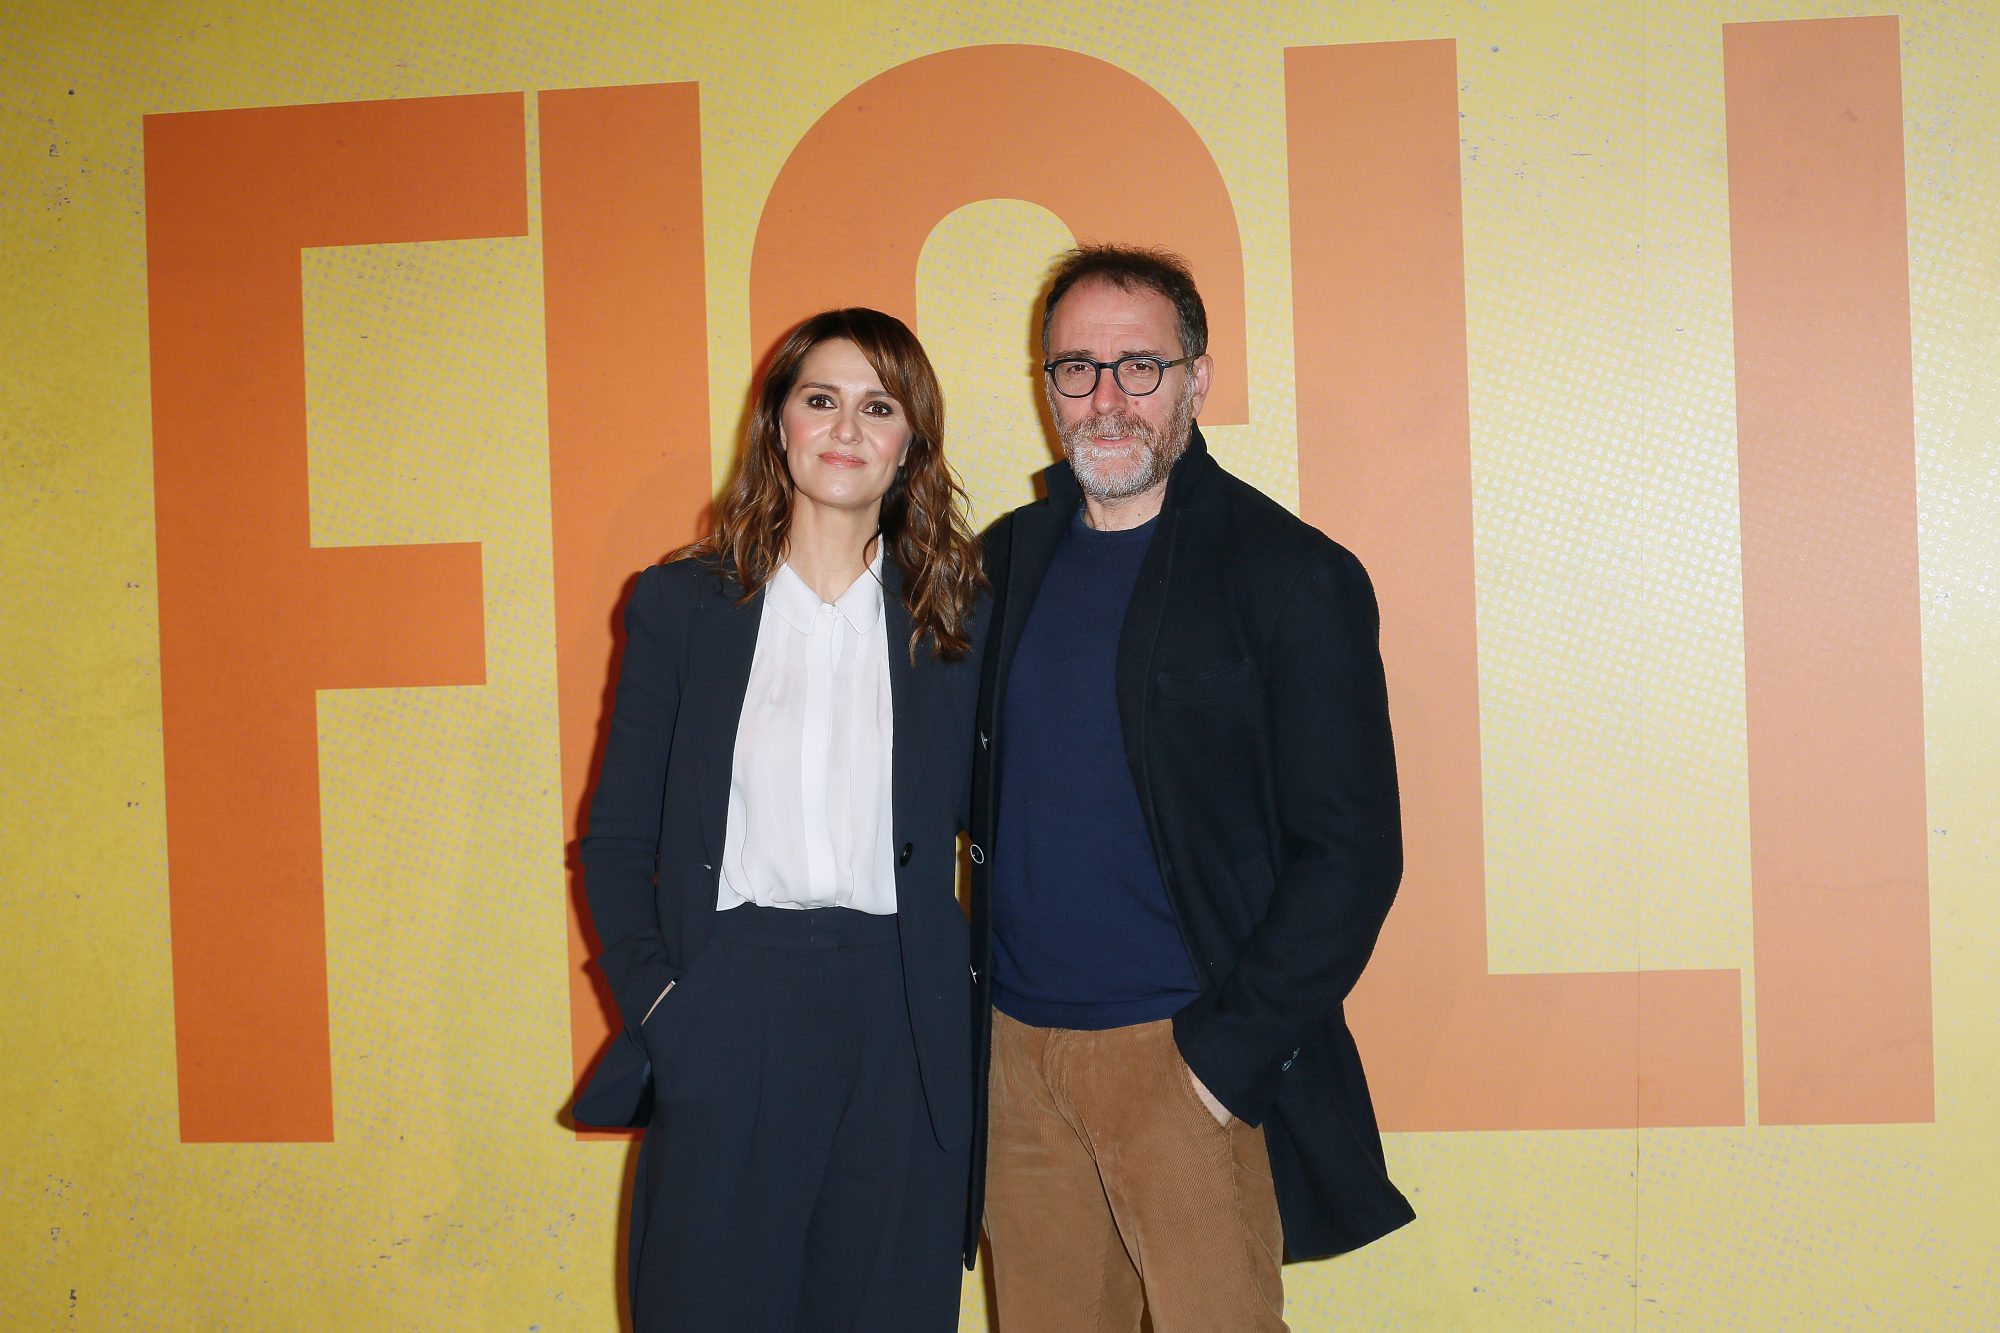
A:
[1687,1018]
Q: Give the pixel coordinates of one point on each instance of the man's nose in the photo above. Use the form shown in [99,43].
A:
[1107,396]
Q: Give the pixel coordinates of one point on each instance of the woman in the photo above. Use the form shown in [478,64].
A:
[771,863]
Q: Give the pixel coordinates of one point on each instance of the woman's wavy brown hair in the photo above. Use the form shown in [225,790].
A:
[923,514]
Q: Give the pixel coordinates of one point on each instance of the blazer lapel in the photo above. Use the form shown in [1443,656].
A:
[911,691]
[718,674]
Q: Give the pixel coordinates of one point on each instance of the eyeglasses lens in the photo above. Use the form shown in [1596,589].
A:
[1138,377]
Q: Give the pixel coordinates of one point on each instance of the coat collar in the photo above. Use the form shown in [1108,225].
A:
[1039,532]
[1189,477]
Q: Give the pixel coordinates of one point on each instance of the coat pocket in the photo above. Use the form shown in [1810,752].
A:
[1208,682]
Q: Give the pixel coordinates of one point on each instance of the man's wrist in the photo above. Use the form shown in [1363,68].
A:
[1205,1097]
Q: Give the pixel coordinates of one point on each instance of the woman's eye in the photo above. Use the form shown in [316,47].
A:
[882,409]
[818,400]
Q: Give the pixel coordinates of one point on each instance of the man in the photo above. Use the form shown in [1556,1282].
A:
[1185,839]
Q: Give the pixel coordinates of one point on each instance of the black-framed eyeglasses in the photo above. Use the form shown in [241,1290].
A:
[1076,376]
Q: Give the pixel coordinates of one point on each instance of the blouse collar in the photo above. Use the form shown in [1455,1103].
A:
[860,606]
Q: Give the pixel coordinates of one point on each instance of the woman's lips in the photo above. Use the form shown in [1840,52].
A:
[840,460]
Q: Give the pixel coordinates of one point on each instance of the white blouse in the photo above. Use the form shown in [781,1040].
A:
[809,785]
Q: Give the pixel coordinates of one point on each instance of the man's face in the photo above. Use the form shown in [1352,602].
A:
[1120,446]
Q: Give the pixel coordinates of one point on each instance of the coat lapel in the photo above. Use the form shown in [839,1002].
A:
[1141,631]
[1137,637]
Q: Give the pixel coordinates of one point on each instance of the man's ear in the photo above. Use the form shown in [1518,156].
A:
[1203,369]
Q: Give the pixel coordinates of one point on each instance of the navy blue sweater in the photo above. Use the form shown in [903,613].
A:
[1083,934]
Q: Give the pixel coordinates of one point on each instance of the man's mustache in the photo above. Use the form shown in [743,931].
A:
[1111,423]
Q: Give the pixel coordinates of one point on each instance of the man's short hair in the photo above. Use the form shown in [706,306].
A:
[1133,268]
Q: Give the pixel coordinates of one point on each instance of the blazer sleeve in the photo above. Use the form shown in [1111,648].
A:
[1340,855]
[621,845]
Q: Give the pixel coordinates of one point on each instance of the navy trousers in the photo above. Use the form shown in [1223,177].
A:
[790,1181]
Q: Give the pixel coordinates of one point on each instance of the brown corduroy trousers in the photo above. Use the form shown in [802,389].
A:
[1112,1192]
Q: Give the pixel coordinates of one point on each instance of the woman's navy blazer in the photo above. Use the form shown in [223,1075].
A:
[653,840]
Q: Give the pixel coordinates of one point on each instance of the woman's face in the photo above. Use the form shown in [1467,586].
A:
[843,434]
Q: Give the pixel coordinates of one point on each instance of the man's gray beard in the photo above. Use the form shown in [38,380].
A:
[1162,448]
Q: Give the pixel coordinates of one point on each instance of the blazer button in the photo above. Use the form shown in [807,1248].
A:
[903,857]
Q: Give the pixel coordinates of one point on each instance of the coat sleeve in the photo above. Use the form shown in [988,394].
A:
[621,845]
[1340,853]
